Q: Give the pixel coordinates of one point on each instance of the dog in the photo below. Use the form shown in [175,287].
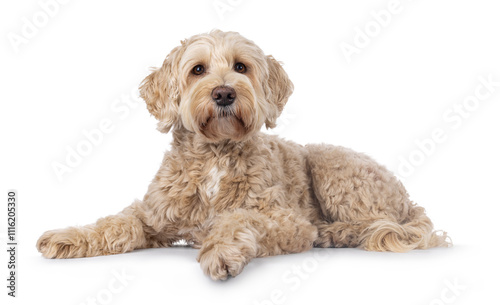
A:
[236,193]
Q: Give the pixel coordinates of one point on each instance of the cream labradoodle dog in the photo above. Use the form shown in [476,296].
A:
[236,193]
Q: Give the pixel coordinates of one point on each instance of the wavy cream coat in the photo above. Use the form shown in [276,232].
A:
[236,193]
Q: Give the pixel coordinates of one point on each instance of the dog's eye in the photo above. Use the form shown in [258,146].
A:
[198,70]
[240,68]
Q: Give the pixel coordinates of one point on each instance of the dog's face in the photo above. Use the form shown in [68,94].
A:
[218,85]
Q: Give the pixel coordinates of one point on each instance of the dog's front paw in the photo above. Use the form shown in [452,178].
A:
[218,261]
[62,243]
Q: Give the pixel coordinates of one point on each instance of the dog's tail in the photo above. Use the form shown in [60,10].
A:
[416,233]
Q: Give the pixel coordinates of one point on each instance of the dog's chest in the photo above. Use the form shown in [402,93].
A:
[211,183]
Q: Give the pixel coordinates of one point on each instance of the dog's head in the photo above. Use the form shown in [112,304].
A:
[218,85]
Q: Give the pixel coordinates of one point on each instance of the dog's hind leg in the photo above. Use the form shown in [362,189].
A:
[338,234]
[380,235]
[114,234]
[414,233]
[364,205]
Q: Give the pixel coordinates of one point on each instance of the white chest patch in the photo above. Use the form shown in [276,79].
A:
[212,182]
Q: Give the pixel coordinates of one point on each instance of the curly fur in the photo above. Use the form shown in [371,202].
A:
[236,193]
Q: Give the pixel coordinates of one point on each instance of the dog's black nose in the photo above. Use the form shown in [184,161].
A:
[223,95]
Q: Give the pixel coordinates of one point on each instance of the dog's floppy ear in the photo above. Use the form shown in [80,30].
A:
[280,88]
[160,90]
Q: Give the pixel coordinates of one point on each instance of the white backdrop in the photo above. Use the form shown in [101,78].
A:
[414,84]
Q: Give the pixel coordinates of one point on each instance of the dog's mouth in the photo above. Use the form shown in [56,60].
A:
[225,113]
[224,123]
